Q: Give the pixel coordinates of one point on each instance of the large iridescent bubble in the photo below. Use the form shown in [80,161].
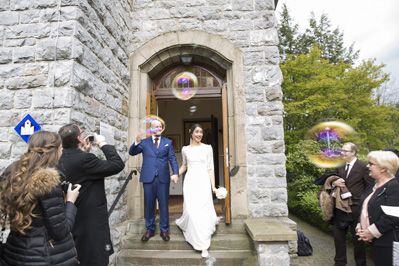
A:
[185,85]
[323,143]
[147,125]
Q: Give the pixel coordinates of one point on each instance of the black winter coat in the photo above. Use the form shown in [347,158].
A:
[49,241]
[387,195]
[91,231]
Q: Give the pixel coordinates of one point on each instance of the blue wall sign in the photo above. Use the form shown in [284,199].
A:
[27,127]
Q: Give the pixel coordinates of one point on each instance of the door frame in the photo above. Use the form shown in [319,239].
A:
[155,55]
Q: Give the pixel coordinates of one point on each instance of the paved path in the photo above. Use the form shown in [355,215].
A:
[323,246]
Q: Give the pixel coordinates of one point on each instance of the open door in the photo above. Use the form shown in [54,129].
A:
[226,162]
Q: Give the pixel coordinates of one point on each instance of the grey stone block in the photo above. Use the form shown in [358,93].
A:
[30,16]
[26,82]
[241,25]
[215,26]
[8,71]
[24,54]
[38,4]
[264,37]
[6,99]
[182,12]
[19,4]
[5,150]
[46,49]
[261,5]
[36,69]
[158,13]
[19,42]
[23,99]
[5,56]
[9,18]
[243,5]
[208,13]
[28,31]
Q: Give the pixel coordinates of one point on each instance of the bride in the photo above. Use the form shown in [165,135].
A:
[199,219]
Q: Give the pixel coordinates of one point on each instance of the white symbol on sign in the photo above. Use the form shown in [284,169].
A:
[27,128]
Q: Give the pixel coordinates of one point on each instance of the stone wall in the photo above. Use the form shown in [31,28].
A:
[65,61]
[251,26]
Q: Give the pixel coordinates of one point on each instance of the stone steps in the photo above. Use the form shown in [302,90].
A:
[230,245]
[184,257]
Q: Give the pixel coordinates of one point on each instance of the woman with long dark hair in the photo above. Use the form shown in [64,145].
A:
[40,215]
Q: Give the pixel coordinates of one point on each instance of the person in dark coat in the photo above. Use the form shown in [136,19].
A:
[355,176]
[374,225]
[91,231]
[31,198]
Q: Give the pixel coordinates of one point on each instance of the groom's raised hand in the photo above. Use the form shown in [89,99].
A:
[139,137]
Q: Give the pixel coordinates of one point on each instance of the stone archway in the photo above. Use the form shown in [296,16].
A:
[163,51]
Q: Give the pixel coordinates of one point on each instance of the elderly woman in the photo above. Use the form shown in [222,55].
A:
[375,226]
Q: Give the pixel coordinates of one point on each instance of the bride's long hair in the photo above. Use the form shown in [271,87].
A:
[16,199]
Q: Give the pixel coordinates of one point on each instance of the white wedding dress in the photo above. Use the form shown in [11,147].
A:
[199,219]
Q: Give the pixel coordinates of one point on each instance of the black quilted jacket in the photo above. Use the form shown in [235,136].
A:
[49,241]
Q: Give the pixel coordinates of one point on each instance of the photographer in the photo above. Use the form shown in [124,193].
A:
[31,199]
[91,231]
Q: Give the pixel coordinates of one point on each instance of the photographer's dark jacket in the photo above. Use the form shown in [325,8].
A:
[91,231]
[49,241]
[386,195]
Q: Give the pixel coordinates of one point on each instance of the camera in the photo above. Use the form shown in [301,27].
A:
[91,138]
[65,185]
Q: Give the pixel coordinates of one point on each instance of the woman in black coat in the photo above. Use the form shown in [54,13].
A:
[32,199]
[375,226]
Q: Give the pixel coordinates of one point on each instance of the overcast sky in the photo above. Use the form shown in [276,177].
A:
[372,25]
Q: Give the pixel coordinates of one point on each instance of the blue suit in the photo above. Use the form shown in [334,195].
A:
[155,177]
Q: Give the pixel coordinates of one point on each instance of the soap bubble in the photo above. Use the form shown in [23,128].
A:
[185,85]
[323,143]
[146,122]
[193,109]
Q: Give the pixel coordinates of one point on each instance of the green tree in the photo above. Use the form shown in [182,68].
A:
[288,34]
[330,42]
[315,90]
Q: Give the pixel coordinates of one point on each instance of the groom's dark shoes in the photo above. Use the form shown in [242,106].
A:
[147,236]
[165,236]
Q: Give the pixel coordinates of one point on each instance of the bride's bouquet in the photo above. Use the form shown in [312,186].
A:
[221,193]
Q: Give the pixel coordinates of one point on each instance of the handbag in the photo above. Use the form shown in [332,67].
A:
[304,246]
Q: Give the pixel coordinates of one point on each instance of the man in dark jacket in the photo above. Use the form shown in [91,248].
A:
[91,231]
[355,176]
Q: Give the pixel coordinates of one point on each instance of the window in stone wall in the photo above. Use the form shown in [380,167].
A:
[209,83]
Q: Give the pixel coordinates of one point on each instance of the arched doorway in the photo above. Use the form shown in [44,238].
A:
[215,54]
[204,108]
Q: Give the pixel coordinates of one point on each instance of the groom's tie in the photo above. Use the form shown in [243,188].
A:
[156,143]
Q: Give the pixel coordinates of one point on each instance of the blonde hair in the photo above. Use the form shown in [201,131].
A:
[16,198]
[385,159]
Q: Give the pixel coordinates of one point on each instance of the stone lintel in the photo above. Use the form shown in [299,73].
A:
[269,230]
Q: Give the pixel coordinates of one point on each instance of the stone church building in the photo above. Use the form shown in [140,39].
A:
[112,62]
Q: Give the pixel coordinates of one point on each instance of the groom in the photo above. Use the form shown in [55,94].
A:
[155,176]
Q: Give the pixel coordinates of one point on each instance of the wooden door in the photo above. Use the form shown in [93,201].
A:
[226,162]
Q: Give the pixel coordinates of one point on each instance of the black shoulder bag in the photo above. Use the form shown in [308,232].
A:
[304,246]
